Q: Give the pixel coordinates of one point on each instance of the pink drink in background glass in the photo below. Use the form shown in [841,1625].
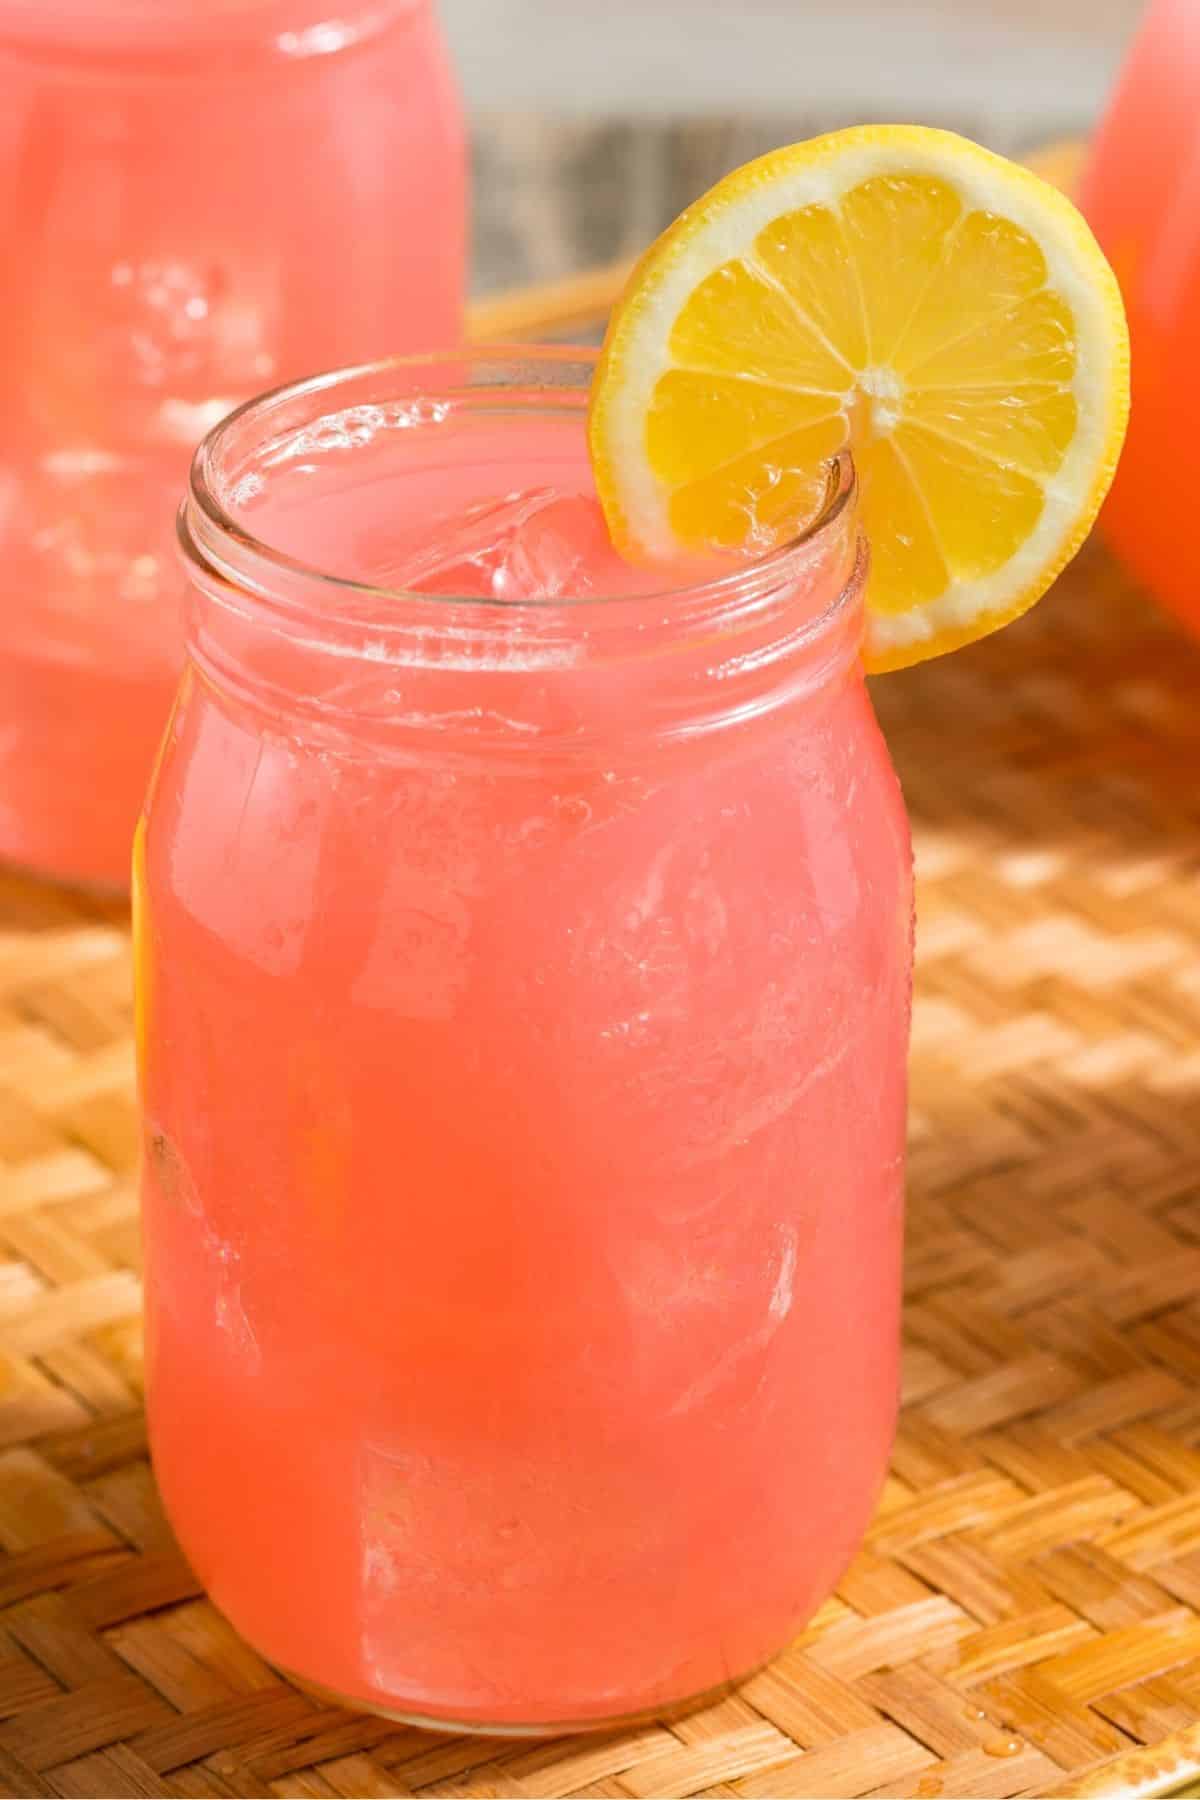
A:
[196,201]
[1141,195]
[524,989]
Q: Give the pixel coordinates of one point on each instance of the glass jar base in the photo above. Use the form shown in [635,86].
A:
[449,1725]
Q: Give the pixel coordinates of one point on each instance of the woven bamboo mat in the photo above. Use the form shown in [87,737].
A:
[1025,1617]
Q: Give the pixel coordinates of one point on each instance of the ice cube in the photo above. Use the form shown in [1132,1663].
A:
[561,549]
[460,553]
[538,544]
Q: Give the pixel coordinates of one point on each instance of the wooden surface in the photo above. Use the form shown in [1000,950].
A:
[1025,1617]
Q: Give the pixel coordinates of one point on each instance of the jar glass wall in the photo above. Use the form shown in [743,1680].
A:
[524,996]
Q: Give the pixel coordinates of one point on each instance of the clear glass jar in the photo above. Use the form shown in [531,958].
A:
[523,1008]
[196,201]
[1140,192]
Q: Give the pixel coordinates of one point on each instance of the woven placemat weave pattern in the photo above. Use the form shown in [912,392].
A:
[1026,1613]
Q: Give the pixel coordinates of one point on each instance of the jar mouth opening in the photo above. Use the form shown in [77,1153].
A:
[219,544]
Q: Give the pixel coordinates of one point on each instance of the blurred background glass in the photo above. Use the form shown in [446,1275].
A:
[1141,191]
[198,199]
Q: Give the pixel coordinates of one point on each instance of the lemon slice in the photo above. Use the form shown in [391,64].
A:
[901,290]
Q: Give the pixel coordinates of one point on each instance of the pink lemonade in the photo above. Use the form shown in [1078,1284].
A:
[524,977]
[1141,195]
[198,198]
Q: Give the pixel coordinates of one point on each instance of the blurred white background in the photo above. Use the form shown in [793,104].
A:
[1010,70]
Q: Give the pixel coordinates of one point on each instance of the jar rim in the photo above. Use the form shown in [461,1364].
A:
[217,543]
[295,29]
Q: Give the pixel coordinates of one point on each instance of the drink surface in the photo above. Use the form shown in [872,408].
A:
[523,1063]
[1139,194]
[176,206]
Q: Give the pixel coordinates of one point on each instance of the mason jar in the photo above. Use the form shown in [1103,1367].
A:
[1138,191]
[523,1010]
[196,201]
